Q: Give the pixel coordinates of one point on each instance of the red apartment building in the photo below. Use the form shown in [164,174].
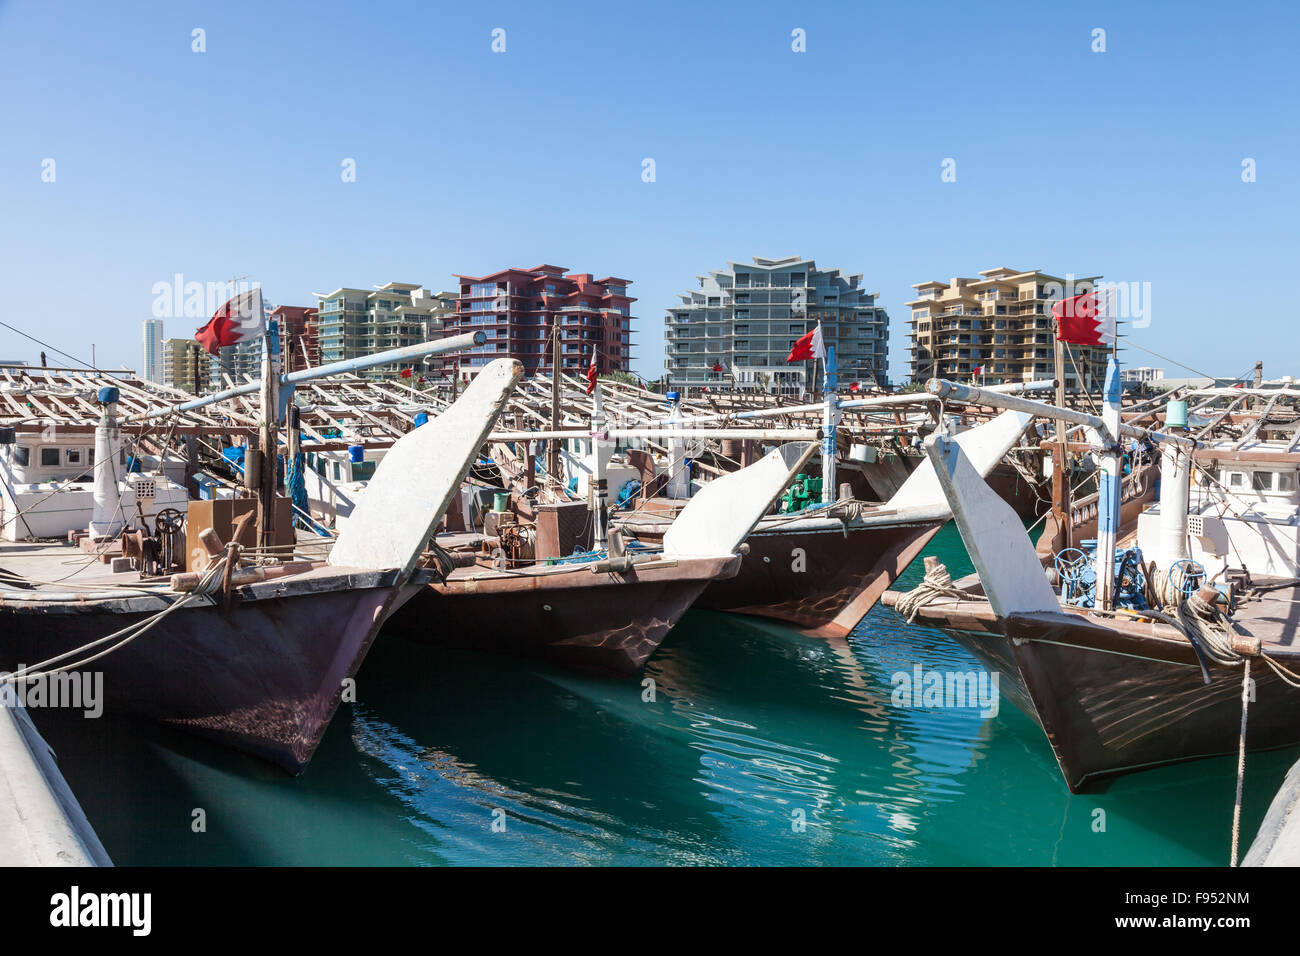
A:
[518,308]
[298,334]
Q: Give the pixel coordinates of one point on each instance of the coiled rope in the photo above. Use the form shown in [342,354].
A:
[847,510]
[937,583]
[1169,587]
[1211,634]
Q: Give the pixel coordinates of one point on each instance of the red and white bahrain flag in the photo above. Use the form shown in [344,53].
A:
[591,373]
[809,345]
[240,319]
[1087,319]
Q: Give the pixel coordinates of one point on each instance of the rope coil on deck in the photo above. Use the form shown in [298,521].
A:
[1211,634]
[937,583]
[847,510]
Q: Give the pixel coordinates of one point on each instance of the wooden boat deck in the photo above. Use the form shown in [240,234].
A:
[59,566]
[57,575]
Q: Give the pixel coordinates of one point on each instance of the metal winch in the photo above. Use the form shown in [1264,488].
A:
[160,553]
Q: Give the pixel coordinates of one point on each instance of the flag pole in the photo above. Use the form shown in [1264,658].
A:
[1060,484]
[553,449]
[269,430]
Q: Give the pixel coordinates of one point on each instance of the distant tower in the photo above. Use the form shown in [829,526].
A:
[151,368]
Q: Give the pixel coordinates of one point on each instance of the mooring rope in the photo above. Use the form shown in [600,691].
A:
[937,583]
[1210,633]
[1200,619]
[1241,763]
[847,510]
[211,578]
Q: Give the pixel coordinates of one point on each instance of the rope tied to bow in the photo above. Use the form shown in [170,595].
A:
[937,583]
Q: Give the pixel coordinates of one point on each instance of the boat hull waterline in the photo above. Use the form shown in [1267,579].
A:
[820,580]
[606,623]
[1114,701]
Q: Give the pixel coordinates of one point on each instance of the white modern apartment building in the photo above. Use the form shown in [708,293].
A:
[736,329]
[151,365]
[1143,374]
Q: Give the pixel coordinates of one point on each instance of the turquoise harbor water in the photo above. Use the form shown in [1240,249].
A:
[752,726]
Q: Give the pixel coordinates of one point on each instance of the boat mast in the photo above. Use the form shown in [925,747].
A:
[553,449]
[1108,490]
[598,481]
[268,432]
[830,420]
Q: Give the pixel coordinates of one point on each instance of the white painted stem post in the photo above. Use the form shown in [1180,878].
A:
[106,510]
[1175,489]
[830,421]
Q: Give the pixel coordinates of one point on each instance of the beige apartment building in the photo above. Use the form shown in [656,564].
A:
[1000,322]
[185,365]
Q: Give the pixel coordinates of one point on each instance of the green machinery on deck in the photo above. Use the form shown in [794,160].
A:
[805,491]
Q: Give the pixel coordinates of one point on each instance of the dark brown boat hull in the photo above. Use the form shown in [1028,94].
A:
[1113,703]
[265,678]
[822,582]
[599,623]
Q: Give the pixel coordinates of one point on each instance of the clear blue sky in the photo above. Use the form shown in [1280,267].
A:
[227,163]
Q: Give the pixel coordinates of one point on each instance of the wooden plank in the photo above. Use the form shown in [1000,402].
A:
[1259,455]
[1205,430]
[1263,417]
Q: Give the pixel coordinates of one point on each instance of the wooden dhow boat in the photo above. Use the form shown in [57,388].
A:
[1118,688]
[605,611]
[254,657]
[821,570]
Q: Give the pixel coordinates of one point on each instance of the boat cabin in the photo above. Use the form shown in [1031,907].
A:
[1243,512]
[40,458]
[1270,490]
[47,485]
